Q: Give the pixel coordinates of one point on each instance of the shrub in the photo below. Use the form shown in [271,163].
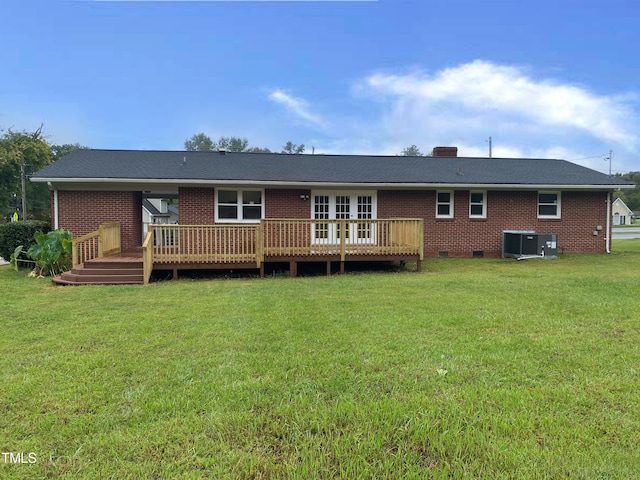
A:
[14,234]
[51,252]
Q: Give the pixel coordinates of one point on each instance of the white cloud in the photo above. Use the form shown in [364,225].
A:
[484,87]
[297,106]
[465,104]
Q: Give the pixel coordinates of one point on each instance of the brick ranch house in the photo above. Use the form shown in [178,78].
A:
[462,204]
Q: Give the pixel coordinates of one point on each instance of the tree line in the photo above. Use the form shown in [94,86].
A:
[630,196]
[202,142]
[23,153]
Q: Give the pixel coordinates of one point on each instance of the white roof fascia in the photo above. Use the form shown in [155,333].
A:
[396,185]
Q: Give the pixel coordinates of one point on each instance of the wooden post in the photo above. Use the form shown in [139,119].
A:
[259,239]
[342,228]
[100,242]
[74,253]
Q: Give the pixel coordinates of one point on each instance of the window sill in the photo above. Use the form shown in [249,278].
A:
[231,221]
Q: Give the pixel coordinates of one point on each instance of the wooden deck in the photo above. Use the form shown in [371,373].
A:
[242,246]
[116,268]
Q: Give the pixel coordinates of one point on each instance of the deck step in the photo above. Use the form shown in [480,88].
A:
[112,265]
[97,273]
[106,271]
[67,280]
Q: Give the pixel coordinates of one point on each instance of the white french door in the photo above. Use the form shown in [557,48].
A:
[356,207]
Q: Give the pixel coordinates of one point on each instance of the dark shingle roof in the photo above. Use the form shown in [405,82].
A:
[151,208]
[176,166]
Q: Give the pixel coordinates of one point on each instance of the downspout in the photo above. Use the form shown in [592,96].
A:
[607,239]
[55,206]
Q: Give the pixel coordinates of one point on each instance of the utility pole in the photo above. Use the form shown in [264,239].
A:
[23,182]
[609,158]
[490,153]
[23,177]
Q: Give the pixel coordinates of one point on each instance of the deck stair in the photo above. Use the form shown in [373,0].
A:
[114,270]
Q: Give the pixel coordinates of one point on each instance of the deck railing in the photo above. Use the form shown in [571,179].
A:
[305,237]
[206,244]
[97,244]
[147,255]
[240,243]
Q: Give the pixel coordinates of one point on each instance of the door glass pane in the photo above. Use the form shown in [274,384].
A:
[321,211]
[365,211]
[343,208]
[321,206]
[365,206]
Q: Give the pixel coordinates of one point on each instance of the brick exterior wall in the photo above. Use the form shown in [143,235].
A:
[287,203]
[83,212]
[196,206]
[581,213]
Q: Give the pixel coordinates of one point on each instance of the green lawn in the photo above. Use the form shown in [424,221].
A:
[474,368]
[626,245]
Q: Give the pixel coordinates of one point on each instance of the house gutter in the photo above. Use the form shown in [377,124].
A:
[319,184]
[55,206]
[607,239]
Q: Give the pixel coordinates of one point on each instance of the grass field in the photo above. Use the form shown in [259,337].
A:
[474,368]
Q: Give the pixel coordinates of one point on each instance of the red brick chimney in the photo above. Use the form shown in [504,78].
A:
[444,152]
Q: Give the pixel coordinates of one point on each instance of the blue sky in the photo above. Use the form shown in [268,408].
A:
[543,78]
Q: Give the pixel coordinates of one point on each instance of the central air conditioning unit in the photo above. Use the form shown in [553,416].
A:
[525,244]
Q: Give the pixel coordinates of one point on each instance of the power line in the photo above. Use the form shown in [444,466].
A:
[589,158]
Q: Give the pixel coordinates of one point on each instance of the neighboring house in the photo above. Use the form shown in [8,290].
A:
[620,213]
[463,204]
[156,211]
[172,209]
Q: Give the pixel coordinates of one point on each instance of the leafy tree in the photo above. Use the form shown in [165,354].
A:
[59,151]
[233,144]
[258,150]
[412,151]
[200,142]
[631,196]
[292,148]
[32,150]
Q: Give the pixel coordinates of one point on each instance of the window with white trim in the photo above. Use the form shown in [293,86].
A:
[444,204]
[239,205]
[478,204]
[548,204]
